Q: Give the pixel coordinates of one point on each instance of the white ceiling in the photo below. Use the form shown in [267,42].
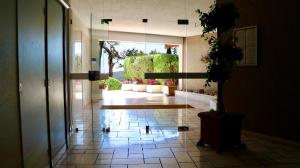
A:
[127,15]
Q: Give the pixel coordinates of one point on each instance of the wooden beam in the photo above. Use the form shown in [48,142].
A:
[85,76]
[183,75]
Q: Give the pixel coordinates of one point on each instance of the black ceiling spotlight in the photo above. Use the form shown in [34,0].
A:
[106,21]
[183,21]
[145,20]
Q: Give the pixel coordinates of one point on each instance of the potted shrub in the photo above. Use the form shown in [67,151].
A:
[220,129]
[127,85]
[112,84]
[102,86]
[153,86]
[169,87]
[139,86]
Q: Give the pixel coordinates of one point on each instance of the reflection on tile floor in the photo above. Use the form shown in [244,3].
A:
[128,145]
[117,97]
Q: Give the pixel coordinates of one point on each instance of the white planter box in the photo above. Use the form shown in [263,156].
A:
[140,88]
[165,90]
[154,88]
[127,87]
[213,104]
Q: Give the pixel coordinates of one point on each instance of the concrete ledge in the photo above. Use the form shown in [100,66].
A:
[211,100]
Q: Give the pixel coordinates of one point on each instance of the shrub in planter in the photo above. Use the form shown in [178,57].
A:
[139,86]
[102,86]
[219,129]
[138,81]
[152,82]
[165,63]
[169,87]
[127,85]
[112,83]
[127,82]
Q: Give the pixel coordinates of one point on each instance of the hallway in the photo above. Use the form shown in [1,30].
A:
[53,113]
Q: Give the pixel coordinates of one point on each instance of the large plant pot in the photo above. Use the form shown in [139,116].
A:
[154,88]
[139,88]
[220,131]
[169,90]
[127,87]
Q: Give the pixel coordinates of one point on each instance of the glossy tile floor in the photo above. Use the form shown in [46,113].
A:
[128,145]
[137,98]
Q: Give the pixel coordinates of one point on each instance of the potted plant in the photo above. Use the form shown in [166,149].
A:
[220,129]
[139,85]
[153,86]
[169,87]
[127,85]
[102,86]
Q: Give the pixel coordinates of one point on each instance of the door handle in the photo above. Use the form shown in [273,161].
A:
[20,87]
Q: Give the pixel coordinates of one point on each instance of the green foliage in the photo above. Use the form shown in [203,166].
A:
[221,17]
[132,52]
[135,67]
[165,63]
[222,59]
[223,54]
[112,83]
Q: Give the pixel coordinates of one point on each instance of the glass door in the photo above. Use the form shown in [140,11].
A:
[99,35]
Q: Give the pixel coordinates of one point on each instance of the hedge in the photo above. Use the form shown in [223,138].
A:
[136,66]
[112,83]
[165,63]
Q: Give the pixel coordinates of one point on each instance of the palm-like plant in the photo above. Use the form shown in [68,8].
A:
[223,53]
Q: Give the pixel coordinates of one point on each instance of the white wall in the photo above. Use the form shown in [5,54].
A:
[194,48]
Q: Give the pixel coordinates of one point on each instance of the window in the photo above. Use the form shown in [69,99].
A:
[77,56]
[246,39]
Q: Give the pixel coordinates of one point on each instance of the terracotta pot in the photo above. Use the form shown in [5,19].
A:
[169,90]
[102,87]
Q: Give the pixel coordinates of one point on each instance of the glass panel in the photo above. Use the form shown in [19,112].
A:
[101,127]
[99,35]
[77,91]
